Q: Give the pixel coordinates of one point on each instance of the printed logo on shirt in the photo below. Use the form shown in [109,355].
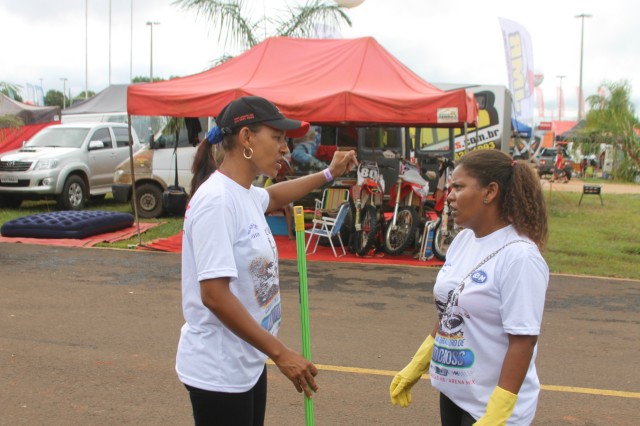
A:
[479,277]
[253,232]
[264,273]
[271,320]
[456,358]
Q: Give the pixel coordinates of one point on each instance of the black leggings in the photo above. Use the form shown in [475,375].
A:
[452,415]
[232,409]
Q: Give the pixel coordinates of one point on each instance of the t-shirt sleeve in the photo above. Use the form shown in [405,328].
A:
[263,197]
[213,234]
[523,289]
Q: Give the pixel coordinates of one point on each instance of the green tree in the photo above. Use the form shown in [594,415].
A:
[54,97]
[143,79]
[80,96]
[9,121]
[611,120]
[233,21]
[11,90]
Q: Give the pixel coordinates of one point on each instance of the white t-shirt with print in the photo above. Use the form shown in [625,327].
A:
[225,234]
[503,296]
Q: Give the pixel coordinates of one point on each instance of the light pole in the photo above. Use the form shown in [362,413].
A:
[131,47]
[581,16]
[109,42]
[86,49]
[64,91]
[151,24]
[560,98]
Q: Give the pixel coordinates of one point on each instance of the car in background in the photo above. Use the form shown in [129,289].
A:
[160,165]
[545,162]
[67,162]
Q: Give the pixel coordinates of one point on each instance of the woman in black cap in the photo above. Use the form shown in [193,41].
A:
[230,284]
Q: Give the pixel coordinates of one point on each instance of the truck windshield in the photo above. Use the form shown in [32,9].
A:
[59,138]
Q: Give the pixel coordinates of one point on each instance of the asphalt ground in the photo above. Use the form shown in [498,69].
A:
[88,337]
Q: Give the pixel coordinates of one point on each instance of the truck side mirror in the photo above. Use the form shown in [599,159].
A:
[93,145]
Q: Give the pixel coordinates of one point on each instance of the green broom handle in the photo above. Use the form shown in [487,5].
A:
[298,214]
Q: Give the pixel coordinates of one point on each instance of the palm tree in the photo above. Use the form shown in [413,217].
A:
[611,121]
[11,90]
[232,20]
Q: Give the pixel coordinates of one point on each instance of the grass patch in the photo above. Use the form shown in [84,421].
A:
[589,239]
[592,239]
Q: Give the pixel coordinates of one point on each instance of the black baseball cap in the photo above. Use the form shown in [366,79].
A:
[255,109]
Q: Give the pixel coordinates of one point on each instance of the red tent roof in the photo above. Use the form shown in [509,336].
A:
[323,81]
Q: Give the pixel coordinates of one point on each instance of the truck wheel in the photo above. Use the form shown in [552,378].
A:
[10,201]
[149,200]
[74,194]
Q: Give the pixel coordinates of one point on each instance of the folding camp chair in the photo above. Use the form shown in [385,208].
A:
[329,227]
[332,198]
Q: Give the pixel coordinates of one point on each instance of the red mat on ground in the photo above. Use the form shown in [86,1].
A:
[108,237]
[287,250]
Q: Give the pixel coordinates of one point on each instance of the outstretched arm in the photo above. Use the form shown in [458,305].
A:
[289,191]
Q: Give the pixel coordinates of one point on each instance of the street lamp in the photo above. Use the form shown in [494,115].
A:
[86,49]
[64,91]
[131,46]
[151,24]
[581,16]
[560,98]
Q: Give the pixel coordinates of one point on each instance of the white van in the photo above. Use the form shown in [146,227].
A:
[155,169]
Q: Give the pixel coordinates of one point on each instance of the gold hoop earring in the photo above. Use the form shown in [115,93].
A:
[244,153]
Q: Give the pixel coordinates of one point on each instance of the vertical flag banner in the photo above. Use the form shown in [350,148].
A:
[519,55]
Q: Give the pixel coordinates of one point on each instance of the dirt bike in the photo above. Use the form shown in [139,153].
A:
[440,228]
[408,196]
[367,194]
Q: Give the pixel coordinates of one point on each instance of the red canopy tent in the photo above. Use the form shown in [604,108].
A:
[323,81]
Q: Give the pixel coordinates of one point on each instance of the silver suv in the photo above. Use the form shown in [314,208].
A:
[68,162]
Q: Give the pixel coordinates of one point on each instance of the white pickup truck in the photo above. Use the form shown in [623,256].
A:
[68,162]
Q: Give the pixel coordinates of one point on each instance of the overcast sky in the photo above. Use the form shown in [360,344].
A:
[443,41]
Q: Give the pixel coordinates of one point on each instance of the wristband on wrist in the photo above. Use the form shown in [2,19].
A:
[327,175]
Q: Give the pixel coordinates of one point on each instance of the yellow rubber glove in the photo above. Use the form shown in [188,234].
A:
[400,389]
[499,408]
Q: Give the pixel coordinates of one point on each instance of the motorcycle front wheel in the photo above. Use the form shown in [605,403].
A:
[366,237]
[442,240]
[398,238]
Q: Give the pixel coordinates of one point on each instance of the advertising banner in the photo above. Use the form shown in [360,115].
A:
[519,55]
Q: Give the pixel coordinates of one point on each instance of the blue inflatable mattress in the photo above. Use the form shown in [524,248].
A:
[66,224]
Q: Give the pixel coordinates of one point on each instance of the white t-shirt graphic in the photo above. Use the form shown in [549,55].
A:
[503,296]
[225,234]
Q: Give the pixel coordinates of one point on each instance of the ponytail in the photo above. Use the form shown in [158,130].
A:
[204,163]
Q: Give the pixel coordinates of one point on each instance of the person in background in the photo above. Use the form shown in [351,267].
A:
[230,281]
[286,169]
[489,296]
[304,152]
[559,171]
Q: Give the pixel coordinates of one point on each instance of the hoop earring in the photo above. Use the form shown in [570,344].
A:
[244,153]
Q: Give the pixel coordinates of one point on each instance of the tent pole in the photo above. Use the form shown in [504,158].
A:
[133,182]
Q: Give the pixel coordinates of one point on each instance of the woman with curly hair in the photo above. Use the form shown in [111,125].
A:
[490,297]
